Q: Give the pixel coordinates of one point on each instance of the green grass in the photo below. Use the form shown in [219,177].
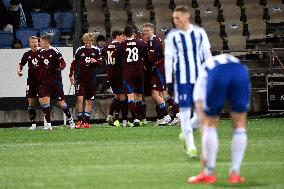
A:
[146,158]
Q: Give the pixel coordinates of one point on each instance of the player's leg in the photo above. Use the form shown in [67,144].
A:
[116,109]
[79,89]
[32,112]
[45,106]
[113,107]
[239,98]
[216,95]
[79,108]
[138,106]
[162,107]
[88,109]
[63,105]
[123,108]
[184,96]
[173,106]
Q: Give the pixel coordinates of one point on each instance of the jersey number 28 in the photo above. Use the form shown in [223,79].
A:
[132,54]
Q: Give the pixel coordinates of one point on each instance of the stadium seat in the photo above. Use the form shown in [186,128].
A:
[6,39]
[53,32]
[24,33]
[275,9]
[64,21]
[118,15]
[41,20]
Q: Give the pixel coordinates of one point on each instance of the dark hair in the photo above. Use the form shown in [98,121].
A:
[17,41]
[128,31]
[100,38]
[182,9]
[46,38]
[116,33]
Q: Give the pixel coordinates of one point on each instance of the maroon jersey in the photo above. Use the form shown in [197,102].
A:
[113,59]
[51,64]
[84,67]
[32,59]
[155,54]
[133,52]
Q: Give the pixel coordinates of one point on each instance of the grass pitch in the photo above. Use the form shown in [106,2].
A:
[122,158]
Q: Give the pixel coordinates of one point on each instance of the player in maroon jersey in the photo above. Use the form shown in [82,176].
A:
[86,59]
[114,74]
[50,81]
[155,62]
[31,57]
[133,52]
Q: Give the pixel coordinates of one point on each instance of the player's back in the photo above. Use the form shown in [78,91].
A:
[113,58]
[133,53]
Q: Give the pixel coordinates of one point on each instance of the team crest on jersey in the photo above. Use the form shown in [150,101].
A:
[35,61]
[93,54]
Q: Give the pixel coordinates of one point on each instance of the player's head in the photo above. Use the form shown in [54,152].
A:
[117,35]
[181,16]
[101,41]
[128,31]
[33,42]
[148,30]
[45,41]
[88,39]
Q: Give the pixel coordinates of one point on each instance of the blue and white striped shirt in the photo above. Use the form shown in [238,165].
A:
[185,51]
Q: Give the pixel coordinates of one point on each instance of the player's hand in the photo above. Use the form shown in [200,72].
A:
[20,72]
[72,80]
[93,60]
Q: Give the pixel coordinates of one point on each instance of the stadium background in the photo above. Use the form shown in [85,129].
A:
[250,29]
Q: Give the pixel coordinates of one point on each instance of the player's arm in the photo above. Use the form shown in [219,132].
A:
[205,46]
[169,59]
[160,50]
[21,65]
[72,72]
[61,61]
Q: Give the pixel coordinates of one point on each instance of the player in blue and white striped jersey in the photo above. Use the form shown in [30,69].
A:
[222,79]
[186,48]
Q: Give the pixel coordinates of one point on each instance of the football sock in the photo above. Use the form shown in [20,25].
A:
[124,109]
[87,117]
[80,116]
[186,128]
[159,116]
[117,110]
[66,111]
[209,148]
[139,109]
[163,110]
[132,109]
[194,121]
[32,113]
[113,106]
[144,108]
[238,147]
[46,112]
[173,105]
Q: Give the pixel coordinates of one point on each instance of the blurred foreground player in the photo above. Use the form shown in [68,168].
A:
[115,74]
[186,48]
[222,79]
[50,81]
[133,53]
[31,57]
[83,75]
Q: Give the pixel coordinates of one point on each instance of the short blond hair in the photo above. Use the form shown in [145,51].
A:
[88,37]
[149,25]
[182,9]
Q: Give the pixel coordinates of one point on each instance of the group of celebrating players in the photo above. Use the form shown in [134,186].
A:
[133,63]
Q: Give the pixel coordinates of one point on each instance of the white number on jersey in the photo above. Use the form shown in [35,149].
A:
[110,60]
[87,60]
[132,54]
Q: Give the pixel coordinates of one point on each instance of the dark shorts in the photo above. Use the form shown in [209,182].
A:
[158,79]
[32,89]
[53,89]
[86,88]
[116,85]
[133,82]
